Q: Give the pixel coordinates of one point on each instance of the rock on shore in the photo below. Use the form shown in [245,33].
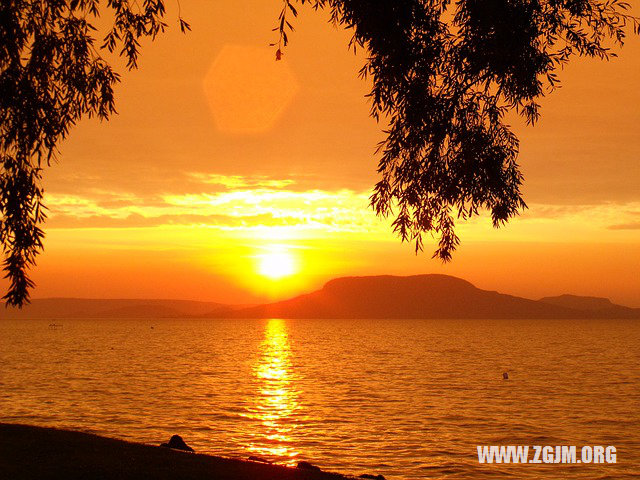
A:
[36,453]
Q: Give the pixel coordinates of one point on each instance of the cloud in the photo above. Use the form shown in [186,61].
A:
[245,203]
[135,220]
[240,181]
[625,226]
[251,205]
[605,213]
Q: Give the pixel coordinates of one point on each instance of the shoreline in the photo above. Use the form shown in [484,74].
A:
[31,452]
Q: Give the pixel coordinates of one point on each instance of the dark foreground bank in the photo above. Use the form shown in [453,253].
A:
[28,452]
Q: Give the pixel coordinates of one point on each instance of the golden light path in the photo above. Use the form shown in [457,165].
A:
[277,402]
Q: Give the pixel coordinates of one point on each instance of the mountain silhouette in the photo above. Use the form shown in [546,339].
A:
[599,305]
[385,296]
[418,296]
[111,308]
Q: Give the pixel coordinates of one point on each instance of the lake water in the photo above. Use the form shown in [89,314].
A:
[407,399]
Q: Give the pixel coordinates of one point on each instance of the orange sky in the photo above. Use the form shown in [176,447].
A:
[220,157]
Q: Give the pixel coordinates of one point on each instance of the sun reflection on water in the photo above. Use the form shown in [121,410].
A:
[276,406]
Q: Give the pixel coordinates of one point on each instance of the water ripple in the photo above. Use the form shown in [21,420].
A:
[407,399]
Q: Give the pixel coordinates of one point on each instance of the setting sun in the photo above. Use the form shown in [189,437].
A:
[276,265]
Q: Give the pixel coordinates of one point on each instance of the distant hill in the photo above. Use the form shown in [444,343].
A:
[598,305]
[111,308]
[386,296]
[419,296]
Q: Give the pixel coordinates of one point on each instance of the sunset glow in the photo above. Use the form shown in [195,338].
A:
[219,153]
[328,240]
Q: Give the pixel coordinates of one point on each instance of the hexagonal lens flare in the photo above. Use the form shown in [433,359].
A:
[247,89]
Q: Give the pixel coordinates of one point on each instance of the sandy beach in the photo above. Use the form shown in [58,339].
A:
[28,452]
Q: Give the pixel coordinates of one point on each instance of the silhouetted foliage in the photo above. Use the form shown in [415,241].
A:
[444,75]
[51,75]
